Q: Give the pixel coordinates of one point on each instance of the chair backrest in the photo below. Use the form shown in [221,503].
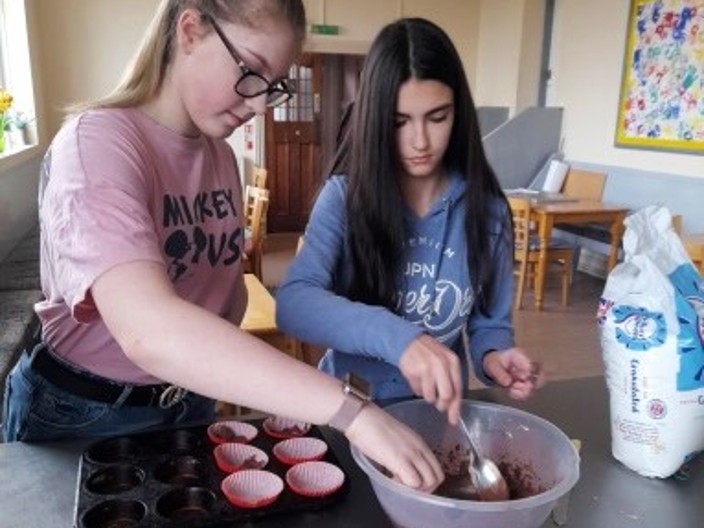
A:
[523,253]
[520,210]
[256,206]
[585,185]
[259,177]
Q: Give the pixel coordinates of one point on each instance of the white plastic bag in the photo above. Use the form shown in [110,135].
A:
[651,319]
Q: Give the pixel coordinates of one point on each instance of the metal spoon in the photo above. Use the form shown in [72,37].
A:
[485,475]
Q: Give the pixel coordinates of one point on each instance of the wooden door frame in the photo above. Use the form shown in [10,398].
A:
[297,201]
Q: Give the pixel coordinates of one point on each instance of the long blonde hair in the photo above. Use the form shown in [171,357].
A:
[145,73]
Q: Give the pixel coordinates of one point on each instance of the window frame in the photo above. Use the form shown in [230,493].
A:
[16,76]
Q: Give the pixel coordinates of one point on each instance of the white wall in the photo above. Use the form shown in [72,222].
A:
[509,53]
[530,61]
[84,47]
[359,21]
[499,51]
[590,44]
[79,49]
[85,44]
[348,15]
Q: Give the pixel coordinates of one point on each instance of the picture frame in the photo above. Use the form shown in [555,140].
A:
[661,105]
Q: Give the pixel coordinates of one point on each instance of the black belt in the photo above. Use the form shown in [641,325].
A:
[100,389]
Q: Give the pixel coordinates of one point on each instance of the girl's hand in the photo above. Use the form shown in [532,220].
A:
[396,447]
[433,372]
[515,371]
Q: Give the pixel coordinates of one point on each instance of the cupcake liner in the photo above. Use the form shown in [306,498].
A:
[315,479]
[231,431]
[296,450]
[233,457]
[252,488]
[280,427]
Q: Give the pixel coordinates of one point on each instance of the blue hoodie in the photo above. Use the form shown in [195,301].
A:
[435,293]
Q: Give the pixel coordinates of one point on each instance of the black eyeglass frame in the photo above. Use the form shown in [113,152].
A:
[278,92]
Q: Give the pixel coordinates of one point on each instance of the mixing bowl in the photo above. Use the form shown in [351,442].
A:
[536,458]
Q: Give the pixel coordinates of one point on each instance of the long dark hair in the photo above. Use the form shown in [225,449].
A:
[408,48]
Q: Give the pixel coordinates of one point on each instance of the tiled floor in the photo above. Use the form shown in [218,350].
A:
[565,340]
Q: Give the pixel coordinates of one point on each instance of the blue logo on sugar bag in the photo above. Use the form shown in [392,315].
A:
[689,303]
[638,329]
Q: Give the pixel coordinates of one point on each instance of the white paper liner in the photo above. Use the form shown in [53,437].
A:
[281,427]
[229,431]
[315,479]
[296,450]
[252,488]
[233,457]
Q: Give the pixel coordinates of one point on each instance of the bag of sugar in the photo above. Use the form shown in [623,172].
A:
[651,319]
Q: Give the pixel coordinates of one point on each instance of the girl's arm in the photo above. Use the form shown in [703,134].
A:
[495,357]
[186,345]
[491,328]
[309,305]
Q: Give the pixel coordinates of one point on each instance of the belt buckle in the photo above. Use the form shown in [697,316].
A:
[171,395]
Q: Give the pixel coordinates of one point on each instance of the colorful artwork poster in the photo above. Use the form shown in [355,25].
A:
[662,91]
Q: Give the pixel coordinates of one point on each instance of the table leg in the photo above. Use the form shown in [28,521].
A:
[544,233]
[616,234]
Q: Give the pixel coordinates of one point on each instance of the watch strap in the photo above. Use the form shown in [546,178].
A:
[348,411]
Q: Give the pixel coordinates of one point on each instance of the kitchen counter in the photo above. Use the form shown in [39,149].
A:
[38,480]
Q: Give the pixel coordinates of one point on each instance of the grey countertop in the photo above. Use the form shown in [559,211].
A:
[39,480]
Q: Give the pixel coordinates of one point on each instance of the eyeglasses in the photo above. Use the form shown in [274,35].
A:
[251,83]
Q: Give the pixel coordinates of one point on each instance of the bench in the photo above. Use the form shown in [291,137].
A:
[19,290]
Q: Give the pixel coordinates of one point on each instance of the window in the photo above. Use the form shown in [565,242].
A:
[3,45]
[16,75]
[301,107]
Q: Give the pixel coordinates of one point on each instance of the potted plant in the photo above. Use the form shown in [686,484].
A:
[25,123]
[14,137]
[5,104]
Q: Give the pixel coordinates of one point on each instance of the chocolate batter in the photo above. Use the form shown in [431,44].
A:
[519,476]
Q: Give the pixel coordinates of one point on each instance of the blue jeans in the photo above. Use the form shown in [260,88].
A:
[35,409]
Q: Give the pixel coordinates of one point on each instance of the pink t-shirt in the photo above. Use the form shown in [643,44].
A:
[118,187]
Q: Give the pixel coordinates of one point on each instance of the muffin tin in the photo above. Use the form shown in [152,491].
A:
[170,478]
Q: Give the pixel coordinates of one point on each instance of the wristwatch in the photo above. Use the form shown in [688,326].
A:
[357,394]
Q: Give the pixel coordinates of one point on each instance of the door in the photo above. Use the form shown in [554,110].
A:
[292,135]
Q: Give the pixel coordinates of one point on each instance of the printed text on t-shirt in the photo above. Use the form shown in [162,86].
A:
[195,235]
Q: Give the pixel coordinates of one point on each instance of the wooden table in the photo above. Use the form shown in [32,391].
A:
[260,317]
[546,215]
[260,321]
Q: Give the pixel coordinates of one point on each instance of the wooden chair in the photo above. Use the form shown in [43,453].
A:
[585,185]
[693,243]
[259,177]
[251,195]
[256,206]
[527,252]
